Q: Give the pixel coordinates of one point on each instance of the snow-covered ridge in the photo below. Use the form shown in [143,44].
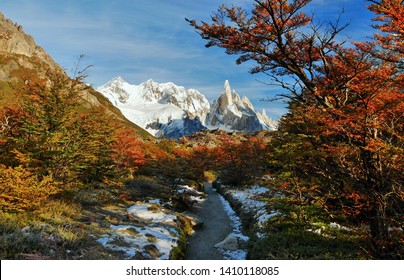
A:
[231,112]
[165,109]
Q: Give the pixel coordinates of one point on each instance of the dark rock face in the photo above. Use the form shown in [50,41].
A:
[178,128]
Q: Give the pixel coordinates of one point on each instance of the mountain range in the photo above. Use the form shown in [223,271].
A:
[171,111]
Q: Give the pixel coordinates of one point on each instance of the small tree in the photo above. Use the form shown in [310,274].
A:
[240,163]
[21,190]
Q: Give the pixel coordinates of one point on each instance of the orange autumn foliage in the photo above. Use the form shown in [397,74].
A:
[21,190]
[128,151]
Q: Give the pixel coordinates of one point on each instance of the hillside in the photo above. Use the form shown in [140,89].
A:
[21,58]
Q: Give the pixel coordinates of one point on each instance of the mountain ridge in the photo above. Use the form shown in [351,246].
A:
[169,110]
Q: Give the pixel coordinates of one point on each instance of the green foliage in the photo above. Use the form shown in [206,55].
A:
[289,241]
[48,233]
[178,252]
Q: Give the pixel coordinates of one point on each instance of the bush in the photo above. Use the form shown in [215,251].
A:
[286,240]
[20,190]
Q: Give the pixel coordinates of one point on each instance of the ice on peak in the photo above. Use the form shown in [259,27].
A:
[116,90]
[247,103]
[227,86]
[227,93]
[230,112]
[118,79]
[150,82]
[267,121]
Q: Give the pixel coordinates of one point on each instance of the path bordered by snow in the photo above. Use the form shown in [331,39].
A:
[251,203]
[250,199]
[240,254]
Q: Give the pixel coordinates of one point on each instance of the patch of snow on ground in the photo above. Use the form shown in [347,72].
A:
[156,201]
[134,240]
[251,203]
[194,195]
[236,224]
[142,211]
[188,189]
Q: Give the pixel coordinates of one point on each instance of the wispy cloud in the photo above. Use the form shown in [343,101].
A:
[146,39]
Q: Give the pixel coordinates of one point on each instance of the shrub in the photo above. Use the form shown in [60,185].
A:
[20,190]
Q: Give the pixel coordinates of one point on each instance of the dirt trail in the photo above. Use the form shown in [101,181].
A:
[216,227]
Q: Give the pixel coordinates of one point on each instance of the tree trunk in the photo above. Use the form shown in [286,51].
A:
[376,193]
[379,230]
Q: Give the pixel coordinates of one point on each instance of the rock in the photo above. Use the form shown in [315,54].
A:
[232,242]
[13,40]
[196,222]
[230,112]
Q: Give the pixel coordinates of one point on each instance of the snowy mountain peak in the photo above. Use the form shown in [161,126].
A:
[247,103]
[116,90]
[267,122]
[116,82]
[230,112]
[118,79]
[227,94]
[163,109]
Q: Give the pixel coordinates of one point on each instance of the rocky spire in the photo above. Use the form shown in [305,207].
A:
[247,103]
[226,98]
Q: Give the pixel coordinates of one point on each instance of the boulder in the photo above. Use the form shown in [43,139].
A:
[232,242]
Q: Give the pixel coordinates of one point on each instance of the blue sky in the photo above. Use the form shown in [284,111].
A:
[144,39]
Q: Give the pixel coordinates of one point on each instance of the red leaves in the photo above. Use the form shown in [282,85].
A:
[128,150]
[390,13]
[240,162]
[268,34]
[346,103]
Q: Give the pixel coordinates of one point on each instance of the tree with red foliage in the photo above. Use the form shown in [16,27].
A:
[128,151]
[240,163]
[390,13]
[352,97]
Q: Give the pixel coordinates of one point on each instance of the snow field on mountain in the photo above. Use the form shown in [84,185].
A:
[149,113]
[165,109]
